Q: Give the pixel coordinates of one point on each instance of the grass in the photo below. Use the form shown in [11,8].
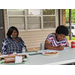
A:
[73,38]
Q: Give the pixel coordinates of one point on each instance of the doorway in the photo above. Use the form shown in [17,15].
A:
[2,35]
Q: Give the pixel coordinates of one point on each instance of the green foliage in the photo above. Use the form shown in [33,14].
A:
[72,15]
[67,15]
[73,38]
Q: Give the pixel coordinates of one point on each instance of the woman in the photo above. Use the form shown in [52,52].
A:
[12,43]
[57,41]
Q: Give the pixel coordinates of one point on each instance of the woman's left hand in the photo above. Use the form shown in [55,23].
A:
[60,47]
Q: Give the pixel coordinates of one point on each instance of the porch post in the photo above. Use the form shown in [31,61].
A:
[60,16]
[70,24]
[64,17]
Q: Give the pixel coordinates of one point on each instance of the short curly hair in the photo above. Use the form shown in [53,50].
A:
[62,30]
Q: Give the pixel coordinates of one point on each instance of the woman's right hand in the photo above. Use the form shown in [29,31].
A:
[60,47]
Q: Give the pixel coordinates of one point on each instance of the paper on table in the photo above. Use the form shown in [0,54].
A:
[65,49]
[18,59]
[3,56]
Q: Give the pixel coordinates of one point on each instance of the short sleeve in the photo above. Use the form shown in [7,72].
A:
[67,44]
[50,37]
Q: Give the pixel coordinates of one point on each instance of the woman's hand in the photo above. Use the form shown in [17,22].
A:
[8,54]
[48,46]
[60,47]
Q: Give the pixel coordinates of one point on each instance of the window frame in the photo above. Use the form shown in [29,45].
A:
[25,23]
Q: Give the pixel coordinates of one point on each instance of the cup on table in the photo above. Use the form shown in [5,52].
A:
[72,44]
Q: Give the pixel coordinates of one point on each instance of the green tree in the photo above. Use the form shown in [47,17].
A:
[67,15]
[72,15]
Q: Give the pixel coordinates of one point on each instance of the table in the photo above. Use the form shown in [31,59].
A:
[64,57]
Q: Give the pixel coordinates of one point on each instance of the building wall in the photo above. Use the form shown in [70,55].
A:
[32,39]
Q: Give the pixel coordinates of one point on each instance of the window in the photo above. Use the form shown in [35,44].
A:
[16,11]
[48,18]
[34,22]
[72,27]
[16,18]
[32,19]
[33,12]
[49,21]
[17,22]
[48,11]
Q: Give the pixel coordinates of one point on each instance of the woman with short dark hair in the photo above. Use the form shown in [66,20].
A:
[57,40]
[13,43]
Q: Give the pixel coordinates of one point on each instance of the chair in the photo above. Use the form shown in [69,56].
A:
[42,46]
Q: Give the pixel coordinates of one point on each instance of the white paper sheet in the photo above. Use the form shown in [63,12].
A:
[65,49]
[18,59]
